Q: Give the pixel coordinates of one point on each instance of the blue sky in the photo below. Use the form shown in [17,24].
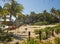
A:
[37,5]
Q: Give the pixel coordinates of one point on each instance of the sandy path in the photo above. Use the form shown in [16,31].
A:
[21,30]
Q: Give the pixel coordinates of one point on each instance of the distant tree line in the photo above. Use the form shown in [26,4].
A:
[42,18]
[15,9]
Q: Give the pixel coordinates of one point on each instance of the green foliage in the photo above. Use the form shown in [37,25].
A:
[40,23]
[57,40]
[38,30]
[32,41]
[48,30]
[5,37]
[57,30]
[47,42]
[43,35]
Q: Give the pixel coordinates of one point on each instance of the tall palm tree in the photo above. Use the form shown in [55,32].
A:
[14,8]
[0,10]
[7,6]
[4,13]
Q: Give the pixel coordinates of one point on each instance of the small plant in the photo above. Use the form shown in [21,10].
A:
[47,42]
[32,41]
[57,30]
[36,31]
[57,40]
[43,36]
[47,31]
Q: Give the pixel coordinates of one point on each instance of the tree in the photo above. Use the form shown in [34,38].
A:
[7,6]
[17,8]
[0,10]
[32,17]
[53,10]
[14,8]
[56,12]
[3,13]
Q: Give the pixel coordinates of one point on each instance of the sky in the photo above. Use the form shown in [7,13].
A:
[37,5]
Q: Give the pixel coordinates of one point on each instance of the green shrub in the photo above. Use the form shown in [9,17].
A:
[57,40]
[38,30]
[41,23]
[43,35]
[5,37]
[47,42]
[32,41]
[47,31]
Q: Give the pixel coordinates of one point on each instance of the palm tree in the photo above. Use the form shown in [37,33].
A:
[14,7]
[0,10]
[4,13]
[7,6]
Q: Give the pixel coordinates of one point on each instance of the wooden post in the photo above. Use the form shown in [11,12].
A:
[46,35]
[40,35]
[52,32]
[29,35]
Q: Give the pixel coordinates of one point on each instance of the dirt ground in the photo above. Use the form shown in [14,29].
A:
[22,32]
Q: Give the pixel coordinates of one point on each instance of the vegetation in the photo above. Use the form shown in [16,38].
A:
[32,41]
[12,8]
[57,40]
[48,31]
[5,36]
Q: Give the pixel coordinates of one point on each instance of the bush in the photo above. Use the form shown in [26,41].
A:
[57,29]
[38,30]
[57,40]
[47,42]
[32,41]
[41,23]
[47,31]
[43,35]
[5,37]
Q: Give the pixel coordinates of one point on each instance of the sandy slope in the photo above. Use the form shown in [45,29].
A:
[22,32]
